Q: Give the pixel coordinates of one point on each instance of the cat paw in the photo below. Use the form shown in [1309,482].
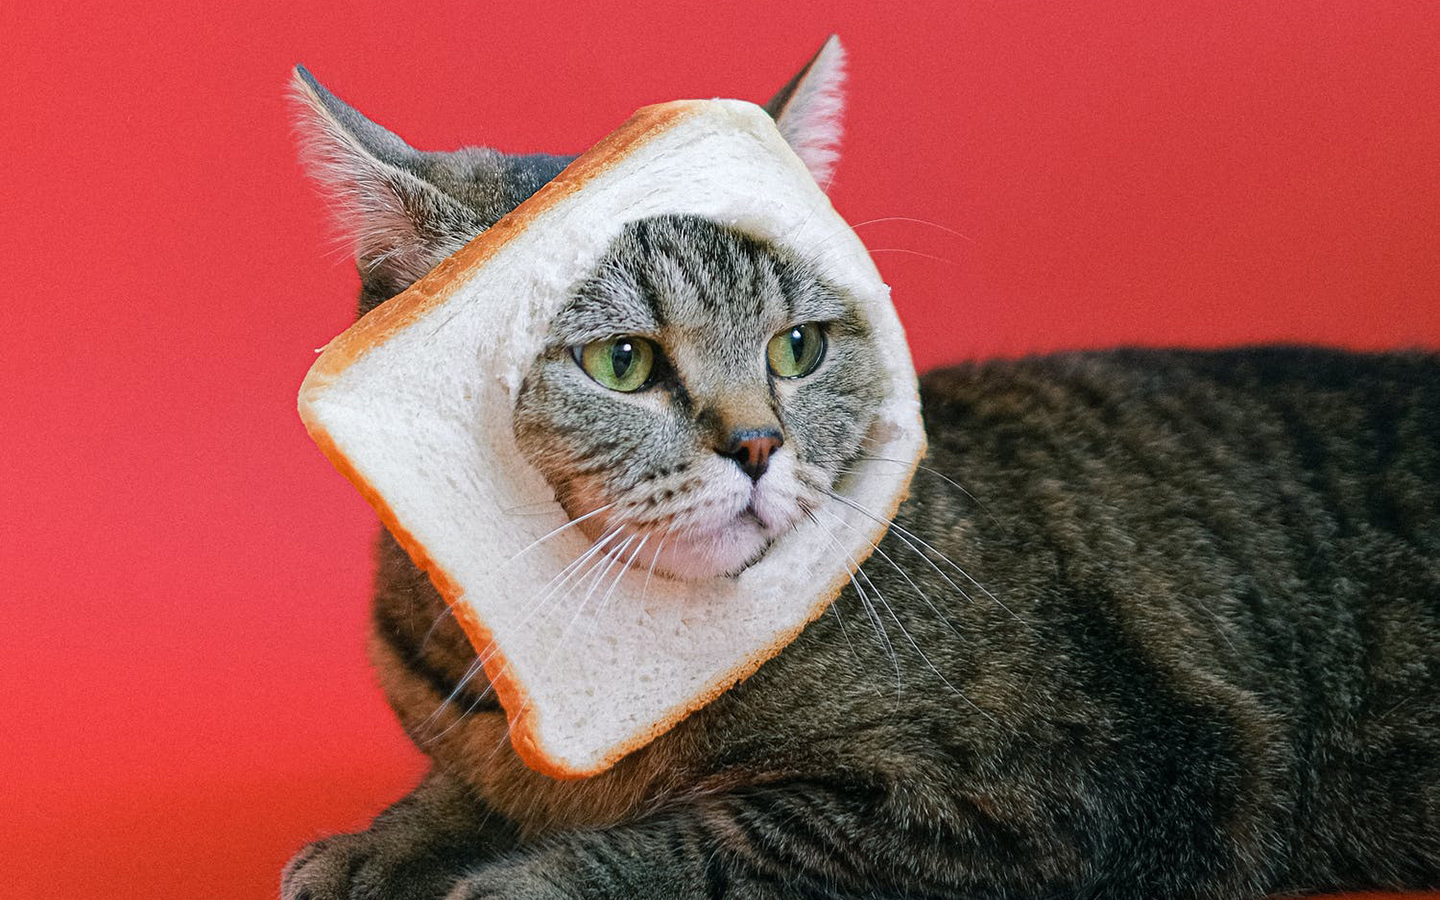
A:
[362,867]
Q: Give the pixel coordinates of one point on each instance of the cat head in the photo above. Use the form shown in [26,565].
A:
[701,385]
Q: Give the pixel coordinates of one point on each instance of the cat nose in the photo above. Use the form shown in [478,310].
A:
[751,449]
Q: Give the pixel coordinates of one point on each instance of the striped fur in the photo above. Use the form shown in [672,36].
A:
[1152,624]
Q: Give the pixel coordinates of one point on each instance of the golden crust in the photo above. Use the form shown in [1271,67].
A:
[437,286]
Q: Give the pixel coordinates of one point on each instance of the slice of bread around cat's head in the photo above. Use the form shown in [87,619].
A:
[414,405]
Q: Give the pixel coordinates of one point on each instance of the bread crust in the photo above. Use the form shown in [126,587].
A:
[434,289]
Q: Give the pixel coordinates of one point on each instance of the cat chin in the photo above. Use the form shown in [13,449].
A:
[722,552]
[692,547]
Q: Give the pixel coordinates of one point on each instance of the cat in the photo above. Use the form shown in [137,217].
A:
[1200,656]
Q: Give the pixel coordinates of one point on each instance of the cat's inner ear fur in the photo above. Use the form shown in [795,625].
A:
[399,224]
[808,110]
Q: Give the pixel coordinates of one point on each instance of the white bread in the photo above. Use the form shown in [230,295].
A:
[413,404]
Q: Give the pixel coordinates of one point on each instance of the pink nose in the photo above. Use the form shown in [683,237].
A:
[751,449]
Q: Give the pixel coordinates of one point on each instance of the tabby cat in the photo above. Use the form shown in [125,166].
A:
[1199,657]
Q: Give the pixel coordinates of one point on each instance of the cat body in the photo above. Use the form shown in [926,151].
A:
[1151,623]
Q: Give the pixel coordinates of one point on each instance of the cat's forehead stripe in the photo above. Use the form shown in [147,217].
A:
[721,274]
[611,302]
[677,274]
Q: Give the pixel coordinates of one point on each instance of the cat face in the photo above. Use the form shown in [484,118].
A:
[700,390]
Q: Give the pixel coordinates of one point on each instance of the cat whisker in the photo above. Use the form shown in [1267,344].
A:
[545,537]
[937,225]
[879,596]
[950,482]
[812,254]
[809,216]
[480,662]
[904,538]
[909,536]
[940,259]
[552,594]
[903,574]
[884,635]
[844,632]
[550,601]
[563,576]
[654,558]
[541,508]
[870,610]
[938,474]
[605,600]
[421,731]
[593,577]
[614,557]
[900,535]
[938,674]
[906,632]
[448,613]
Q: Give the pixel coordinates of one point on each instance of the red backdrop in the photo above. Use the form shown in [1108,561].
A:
[185,698]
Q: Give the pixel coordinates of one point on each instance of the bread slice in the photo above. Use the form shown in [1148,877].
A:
[413,404]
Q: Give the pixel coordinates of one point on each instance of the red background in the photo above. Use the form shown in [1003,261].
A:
[185,698]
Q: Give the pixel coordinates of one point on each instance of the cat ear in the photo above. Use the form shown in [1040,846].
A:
[400,224]
[808,110]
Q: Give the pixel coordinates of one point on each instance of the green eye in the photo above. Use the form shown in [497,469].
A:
[621,363]
[796,351]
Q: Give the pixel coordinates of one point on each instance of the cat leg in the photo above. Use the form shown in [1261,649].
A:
[855,841]
[418,848]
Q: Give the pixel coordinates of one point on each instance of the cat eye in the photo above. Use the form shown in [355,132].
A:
[620,363]
[796,351]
